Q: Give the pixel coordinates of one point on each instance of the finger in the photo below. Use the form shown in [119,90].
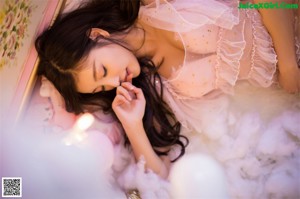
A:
[138,92]
[127,85]
[133,88]
[123,91]
[119,100]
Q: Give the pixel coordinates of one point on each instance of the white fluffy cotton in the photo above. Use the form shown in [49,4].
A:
[254,137]
[259,147]
[150,185]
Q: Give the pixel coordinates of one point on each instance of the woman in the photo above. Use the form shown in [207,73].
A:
[59,59]
[190,50]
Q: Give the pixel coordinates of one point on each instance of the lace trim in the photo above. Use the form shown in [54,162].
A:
[263,57]
[228,63]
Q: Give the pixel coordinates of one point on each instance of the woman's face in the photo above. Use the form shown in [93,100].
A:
[105,68]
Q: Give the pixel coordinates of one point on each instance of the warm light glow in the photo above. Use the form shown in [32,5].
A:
[84,122]
[77,133]
[79,136]
[67,142]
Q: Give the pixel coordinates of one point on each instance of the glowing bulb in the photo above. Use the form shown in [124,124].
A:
[77,133]
[84,122]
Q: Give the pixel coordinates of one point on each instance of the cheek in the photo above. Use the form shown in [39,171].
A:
[136,70]
[85,85]
[135,67]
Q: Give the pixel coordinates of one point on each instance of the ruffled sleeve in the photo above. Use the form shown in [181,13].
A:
[245,52]
[263,55]
[222,45]
[230,49]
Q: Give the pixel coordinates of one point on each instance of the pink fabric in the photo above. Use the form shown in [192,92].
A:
[222,45]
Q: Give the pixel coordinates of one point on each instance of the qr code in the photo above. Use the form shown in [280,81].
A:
[11,187]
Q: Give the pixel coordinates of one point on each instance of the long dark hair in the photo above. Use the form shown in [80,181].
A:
[66,43]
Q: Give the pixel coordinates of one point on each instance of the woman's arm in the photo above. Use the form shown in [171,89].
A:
[280,24]
[142,147]
[129,106]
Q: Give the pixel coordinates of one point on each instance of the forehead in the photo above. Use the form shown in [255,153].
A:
[87,60]
[84,74]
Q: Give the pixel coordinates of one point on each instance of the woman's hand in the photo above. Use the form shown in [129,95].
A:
[289,78]
[129,104]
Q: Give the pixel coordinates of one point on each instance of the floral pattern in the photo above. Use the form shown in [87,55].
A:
[14,20]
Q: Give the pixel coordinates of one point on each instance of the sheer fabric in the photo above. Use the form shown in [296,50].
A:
[223,44]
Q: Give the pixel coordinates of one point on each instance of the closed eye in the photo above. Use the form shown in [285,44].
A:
[95,77]
[104,71]
[104,75]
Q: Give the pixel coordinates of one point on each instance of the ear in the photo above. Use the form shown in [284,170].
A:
[96,32]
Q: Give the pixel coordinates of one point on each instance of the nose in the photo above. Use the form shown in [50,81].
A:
[111,82]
